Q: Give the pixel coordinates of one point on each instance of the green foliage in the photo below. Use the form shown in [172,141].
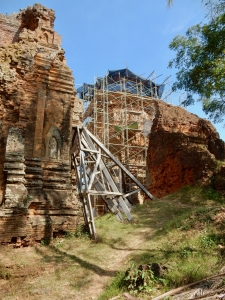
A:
[59,243]
[45,242]
[211,193]
[186,251]
[81,231]
[115,288]
[219,163]
[215,7]
[200,59]
[139,280]
[69,234]
[207,242]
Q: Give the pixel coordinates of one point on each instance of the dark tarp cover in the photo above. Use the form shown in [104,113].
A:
[111,82]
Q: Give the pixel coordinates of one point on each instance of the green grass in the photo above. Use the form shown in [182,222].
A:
[184,231]
[219,163]
[187,242]
[115,288]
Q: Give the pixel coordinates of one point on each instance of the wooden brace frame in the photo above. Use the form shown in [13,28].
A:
[94,164]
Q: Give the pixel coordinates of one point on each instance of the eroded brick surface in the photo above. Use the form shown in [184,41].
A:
[37,100]
[183,149]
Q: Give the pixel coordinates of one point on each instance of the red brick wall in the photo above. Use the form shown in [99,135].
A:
[9,29]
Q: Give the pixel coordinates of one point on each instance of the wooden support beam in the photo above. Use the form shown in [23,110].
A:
[95,178]
[86,131]
[109,178]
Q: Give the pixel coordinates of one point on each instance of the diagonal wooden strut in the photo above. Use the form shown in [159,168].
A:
[93,164]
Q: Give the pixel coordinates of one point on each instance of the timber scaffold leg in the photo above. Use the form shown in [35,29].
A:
[99,173]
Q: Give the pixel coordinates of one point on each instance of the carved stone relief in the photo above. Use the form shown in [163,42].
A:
[15,141]
[78,106]
[14,167]
[53,148]
[78,111]
[53,144]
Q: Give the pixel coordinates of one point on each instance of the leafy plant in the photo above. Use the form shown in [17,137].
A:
[207,242]
[81,231]
[69,234]
[45,242]
[186,251]
[201,64]
[59,242]
[139,280]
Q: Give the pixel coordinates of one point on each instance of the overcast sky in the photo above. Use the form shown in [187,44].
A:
[102,35]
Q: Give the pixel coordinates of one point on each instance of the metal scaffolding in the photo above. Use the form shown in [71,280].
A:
[119,111]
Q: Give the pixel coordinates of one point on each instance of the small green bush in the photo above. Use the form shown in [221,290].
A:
[138,280]
[82,231]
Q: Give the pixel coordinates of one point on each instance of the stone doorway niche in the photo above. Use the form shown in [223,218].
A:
[53,144]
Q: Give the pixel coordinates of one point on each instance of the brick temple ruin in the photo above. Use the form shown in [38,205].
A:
[38,107]
[164,146]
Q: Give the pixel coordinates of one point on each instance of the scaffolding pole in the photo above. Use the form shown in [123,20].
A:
[119,119]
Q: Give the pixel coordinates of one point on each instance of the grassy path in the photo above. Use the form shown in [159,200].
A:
[77,268]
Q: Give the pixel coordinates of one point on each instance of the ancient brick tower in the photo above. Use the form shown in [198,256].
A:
[37,100]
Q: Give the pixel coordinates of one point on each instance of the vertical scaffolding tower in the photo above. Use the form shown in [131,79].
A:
[120,112]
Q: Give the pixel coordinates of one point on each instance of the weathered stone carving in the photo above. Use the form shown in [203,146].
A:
[15,141]
[53,144]
[15,192]
[36,194]
[53,148]
[78,111]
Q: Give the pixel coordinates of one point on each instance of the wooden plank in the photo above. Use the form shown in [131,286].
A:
[122,203]
[95,170]
[85,211]
[105,193]
[120,180]
[79,171]
[111,204]
[86,131]
[97,176]
[87,203]
[131,193]
[88,150]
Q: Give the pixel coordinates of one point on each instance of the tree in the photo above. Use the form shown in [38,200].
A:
[213,6]
[200,59]
[169,3]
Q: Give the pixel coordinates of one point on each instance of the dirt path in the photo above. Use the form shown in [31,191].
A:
[79,269]
[120,258]
[23,271]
